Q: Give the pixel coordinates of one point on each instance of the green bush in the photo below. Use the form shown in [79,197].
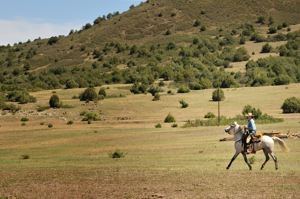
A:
[50,125]
[24,119]
[70,122]
[158,125]
[174,125]
[156,97]
[183,89]
[216,97]
[210,115]
[249,109]
[117,154]
[183,104]
[203,28]
[291,105]
[54,101]
[155,89]
[170,118]
[25,156]
[266,48]
[197,23]
[272,30]
[102,92]
[88,94]
[91,116]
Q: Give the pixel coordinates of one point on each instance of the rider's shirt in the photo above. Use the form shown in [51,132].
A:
[251,125]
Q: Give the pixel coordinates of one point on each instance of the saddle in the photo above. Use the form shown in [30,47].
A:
[249,145]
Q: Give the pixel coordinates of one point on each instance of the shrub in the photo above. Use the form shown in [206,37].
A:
[284,24]
[117,154]
[216,97]
[83,113]
[266,48]
[156,97]
[282,80]
[291,105]
[155,89]
[88,94]
[102,92]
[24,119]
[158,125]
[168,32]
[243,40]
[183,89]
[174,125]
[272,30]
[72,84]
[161,83]
[54,101]
[248,109]
[91,116]
[170,118]
[203,28]
[52,40]
[23,124]
[70,122]
[210,115]
[50,125]
[25,156]
[197,23]
[183,104]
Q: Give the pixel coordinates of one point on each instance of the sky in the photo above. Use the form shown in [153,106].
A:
[21,20]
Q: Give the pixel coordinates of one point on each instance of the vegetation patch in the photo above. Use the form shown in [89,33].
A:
[117,154]
[241,119]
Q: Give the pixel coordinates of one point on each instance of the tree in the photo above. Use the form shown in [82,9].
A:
[102,92]
[266,48]
[271,20]
[52,40]
[272,30]
[216,97]
[291,105]
[88,94]
[197,23]
[168,32]
[170,118]
[243,40]
[54,101]
[203,28]
[71,84]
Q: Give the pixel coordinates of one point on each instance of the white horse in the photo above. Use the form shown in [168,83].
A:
[266,144]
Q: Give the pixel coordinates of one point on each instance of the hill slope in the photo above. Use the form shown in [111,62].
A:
[108,43]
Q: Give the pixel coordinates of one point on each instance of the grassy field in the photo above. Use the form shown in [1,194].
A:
[72,161]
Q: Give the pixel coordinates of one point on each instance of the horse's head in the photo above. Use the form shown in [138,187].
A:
[232,128]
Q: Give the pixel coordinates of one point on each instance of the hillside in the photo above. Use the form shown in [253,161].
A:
[154,34]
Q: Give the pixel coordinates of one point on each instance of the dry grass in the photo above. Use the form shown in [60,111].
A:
[71,161]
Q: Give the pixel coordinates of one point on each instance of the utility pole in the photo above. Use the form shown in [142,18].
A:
[219,103]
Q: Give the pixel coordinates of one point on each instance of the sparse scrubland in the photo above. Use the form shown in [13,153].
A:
[92,114]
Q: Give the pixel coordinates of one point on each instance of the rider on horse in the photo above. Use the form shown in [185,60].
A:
[251,129]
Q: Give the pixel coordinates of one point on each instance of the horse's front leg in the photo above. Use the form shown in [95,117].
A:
[246,160]
[237,152]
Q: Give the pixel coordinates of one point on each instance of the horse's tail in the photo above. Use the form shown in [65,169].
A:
[281,143]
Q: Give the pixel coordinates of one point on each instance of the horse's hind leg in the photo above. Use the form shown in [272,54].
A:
[275,160]
[267,158]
